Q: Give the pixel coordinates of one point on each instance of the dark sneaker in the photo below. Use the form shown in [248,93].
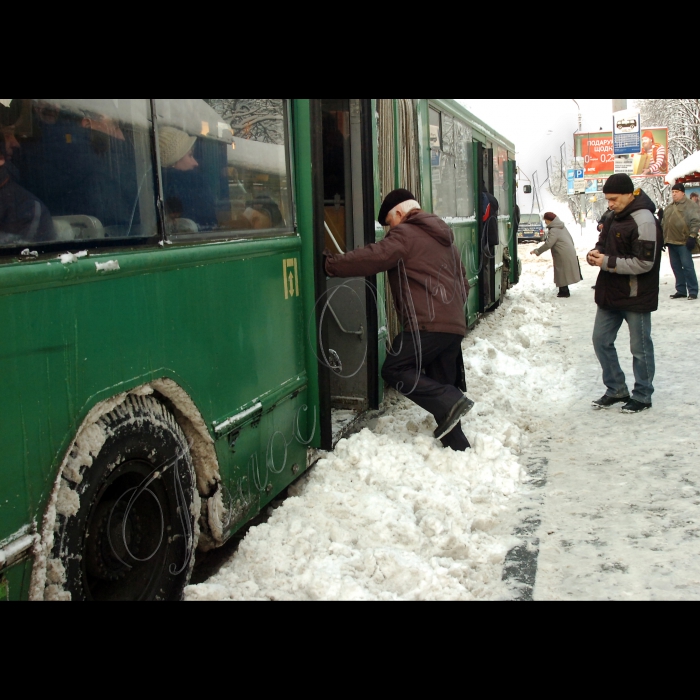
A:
[462,407]
[678,295]
[693,296]
[633,406]
[607,401]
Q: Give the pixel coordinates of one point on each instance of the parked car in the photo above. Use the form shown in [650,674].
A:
[531,228]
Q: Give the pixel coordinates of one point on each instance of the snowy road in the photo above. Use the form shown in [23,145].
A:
[596,504]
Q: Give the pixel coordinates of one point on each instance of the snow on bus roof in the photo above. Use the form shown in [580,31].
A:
[687,170]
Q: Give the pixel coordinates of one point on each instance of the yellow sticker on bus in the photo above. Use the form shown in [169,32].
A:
[290,277]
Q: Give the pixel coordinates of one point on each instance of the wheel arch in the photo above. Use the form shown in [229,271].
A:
[88,441]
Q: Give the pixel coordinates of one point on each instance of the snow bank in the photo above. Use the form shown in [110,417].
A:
[686,167]
[391,514]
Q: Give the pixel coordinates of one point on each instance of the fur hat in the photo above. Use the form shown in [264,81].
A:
[679,186]
[619,183]
[174,145]
[549,216]
[393,199]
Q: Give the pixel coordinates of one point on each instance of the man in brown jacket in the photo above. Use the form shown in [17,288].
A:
[681,223]
[430,289]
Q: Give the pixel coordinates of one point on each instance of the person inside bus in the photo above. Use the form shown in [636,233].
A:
[262,212]
[23,218]
[182,180]
[79,162]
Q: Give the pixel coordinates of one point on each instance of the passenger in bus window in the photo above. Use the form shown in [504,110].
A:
[80,162]
[262,212]
[174,221]
[108,190]
[182,179]
[23,217]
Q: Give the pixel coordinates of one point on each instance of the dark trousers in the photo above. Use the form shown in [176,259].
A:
[424,368]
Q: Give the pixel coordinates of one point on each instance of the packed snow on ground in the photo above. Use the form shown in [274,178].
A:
[391,515]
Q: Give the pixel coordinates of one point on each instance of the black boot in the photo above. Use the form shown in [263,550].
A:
[564,292]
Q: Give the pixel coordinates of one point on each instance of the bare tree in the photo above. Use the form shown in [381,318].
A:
[258,120]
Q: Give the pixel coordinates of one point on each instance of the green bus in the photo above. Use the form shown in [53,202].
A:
[173,355]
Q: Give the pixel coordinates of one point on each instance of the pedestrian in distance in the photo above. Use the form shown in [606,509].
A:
[681,223]
[628,254]
[430,290]
[564,259]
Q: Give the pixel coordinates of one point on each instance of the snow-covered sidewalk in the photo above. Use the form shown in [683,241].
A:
[620,519]
[610,502]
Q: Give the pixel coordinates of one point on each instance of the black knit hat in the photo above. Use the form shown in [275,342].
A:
[619,183]
[679,186]
[391,200]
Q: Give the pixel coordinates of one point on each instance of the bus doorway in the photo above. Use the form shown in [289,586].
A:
[487,255]
[344,221]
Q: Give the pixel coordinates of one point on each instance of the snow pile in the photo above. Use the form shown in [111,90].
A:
[686,167]
[390,514]
[68,258]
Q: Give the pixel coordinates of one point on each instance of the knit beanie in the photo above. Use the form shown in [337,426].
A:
[393,199]
[174,145]
[679,186]
[619,183]
[549,216]
[648,135]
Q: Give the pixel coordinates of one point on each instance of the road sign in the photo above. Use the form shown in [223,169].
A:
[627,133]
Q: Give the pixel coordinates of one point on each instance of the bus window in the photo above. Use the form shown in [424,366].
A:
[224,167]
[75,170]
[443,165]
[464,171]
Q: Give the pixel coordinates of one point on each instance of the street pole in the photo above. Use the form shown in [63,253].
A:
[619,105]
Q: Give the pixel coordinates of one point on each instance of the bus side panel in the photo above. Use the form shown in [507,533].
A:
[228,330]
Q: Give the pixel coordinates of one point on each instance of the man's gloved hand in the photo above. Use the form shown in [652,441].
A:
[690,243]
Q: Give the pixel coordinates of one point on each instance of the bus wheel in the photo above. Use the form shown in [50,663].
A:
[132,536]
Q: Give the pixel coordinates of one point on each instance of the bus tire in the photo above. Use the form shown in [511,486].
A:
[133,533]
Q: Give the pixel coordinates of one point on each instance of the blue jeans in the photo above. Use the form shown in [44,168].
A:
[683,269]
[607,324]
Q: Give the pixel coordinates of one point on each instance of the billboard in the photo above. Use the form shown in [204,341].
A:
[652,159]
[596,151]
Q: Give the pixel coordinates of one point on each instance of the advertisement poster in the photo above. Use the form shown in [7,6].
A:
[625,164]
[596,151]
[594,186]
[652,160]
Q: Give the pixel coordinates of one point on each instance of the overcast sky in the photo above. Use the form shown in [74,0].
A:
[539,127]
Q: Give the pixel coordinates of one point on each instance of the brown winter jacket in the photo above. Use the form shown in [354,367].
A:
[681,219]
[426,274]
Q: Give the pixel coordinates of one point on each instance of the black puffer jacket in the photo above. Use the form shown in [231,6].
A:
[629,279]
